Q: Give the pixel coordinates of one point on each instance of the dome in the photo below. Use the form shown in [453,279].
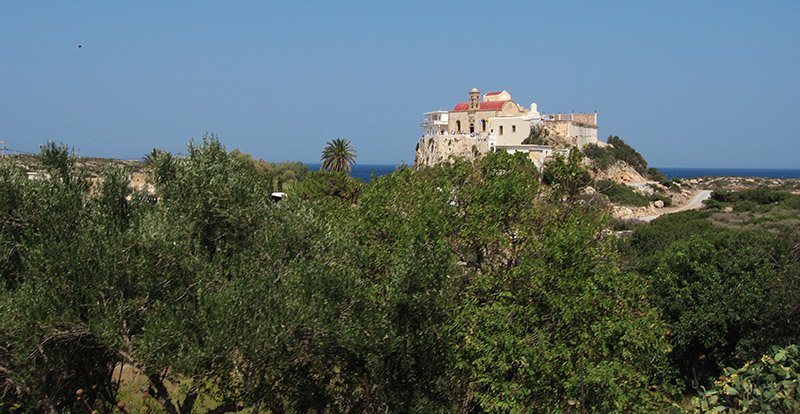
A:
[474,90]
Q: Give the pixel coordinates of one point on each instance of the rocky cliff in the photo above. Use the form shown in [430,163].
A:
[440,148]
[620,172]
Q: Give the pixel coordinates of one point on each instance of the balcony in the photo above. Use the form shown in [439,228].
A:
[434,122]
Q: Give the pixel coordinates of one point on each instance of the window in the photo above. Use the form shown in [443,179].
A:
[513,128]
[501,130]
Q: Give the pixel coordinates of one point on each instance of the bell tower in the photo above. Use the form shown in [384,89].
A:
[474,99]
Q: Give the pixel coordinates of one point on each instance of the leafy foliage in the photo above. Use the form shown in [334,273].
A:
[539,135]
[329,185]
[767,385]
[728,295]
[465,286]
[57,161]
[566,175]
[747,200]
[619,150]
[621,193]
[687,284]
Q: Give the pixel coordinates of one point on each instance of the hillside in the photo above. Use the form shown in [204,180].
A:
[94,166]
[631,188]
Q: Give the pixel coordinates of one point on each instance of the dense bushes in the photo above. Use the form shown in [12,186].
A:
[715,294]
[728,295]
[621,194]
[756,200]
[769,384]
[465,287]
[539,135]
[618,151]
[456,287]
[756,195]
[603,158]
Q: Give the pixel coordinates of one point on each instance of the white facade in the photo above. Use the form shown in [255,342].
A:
[509,130]
[434,123]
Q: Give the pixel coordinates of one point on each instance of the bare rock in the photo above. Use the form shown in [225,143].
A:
[658,204]
[620,172]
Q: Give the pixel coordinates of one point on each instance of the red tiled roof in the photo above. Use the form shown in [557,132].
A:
[491,106]
[483,106]
[493,93]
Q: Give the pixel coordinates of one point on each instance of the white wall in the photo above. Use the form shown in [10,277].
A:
[514,130]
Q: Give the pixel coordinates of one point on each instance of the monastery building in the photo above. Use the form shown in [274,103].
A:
[498,123]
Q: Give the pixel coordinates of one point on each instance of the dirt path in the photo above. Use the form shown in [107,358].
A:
[694,203]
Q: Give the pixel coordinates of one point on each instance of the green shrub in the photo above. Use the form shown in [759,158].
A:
[656,175]
[792,202]
[621,194]
[768,385]
[328,185]
[566,176]
[601,157]
[763,195]
[648,240]
[624,152]
[539,135]
[621,151]
[744,205]
[772,218]
[715,204]
[665,198]
[593,151]
[687,282]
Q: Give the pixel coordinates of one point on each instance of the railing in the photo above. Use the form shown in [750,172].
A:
[462,135]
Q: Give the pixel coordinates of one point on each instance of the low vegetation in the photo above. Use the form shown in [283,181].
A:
[479,287]
[540,135]
[728,289]
[766,385]
[621,194]
[619,151]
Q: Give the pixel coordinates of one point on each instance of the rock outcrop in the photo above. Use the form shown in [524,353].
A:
[620,172]
[440,148]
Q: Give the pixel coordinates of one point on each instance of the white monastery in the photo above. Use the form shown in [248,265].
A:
[497,123]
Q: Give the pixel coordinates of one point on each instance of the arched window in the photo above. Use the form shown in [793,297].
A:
[483,125]
[458,126]
[471,128]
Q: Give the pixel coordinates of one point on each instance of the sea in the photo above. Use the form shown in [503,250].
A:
[365,172]
[730,172]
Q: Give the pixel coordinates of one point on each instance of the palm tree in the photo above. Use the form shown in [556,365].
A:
[338,155]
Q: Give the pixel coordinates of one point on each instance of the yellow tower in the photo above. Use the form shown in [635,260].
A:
[474,99]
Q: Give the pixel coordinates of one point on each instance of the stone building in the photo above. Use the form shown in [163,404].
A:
[578,129]
[473,116]
[497,123]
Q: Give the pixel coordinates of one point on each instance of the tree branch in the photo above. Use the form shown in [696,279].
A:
[225,407]
[160,393]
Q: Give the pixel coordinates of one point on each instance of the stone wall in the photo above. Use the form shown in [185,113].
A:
[575,135]
[441,148]
[586,119]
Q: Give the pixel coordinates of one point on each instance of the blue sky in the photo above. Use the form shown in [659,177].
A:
[689,84]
